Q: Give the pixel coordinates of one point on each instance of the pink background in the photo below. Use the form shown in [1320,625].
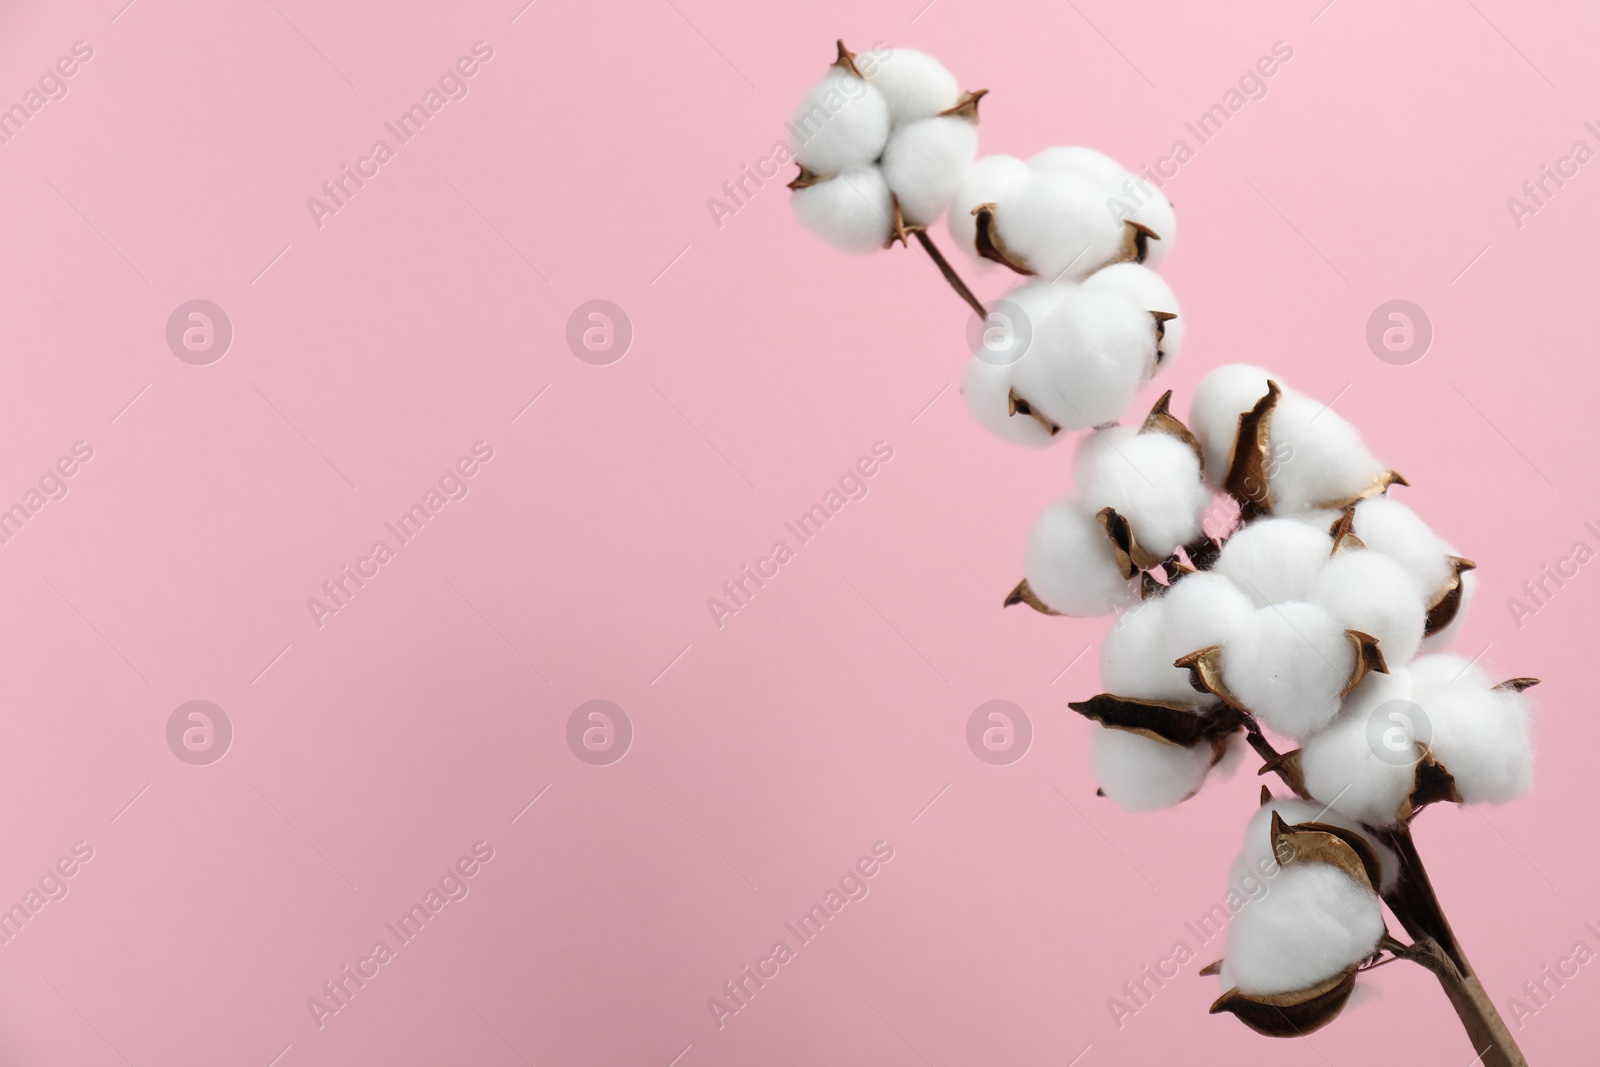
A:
[768,755]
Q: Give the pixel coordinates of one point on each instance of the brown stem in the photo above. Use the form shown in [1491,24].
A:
[950,274]
[1416,905]
[1275,761]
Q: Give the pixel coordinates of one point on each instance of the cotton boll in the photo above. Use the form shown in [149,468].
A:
[1259,859]
[1388,526]
[1070,565]
[851,211]
[1484,739]
[1364,764]
[1313,923]
[1146,288]
[1077,159]
[1469,587]
[1060,226]
[1088,360]
[1201,609]
[1142,774]
[914,85]
[1275,560]
[1288,664]
[926,162]
[842,123]
[1221,397]
[1151,479]
[1135,660]
[1429,674]
[1369,592]
[987,391]
[1320,459]
[990,180]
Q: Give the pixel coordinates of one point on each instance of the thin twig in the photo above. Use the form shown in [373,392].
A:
[950,274]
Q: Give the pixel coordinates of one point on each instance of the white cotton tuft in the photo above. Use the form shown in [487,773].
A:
[1369,592]
[1060,225]
[990,180]
[1288,664]
[1313,923]
[1070,565]
[1364,764]
[1319,459]
[914,84]
[1275,560]
[1135,660]
[987,391]
[1429,674]
[1220,398]
[1484,739]
[1388,526]
[1259,860]
[1077,159]
[926,162]
[1146,288]
[1151,479]
[1088,360]
[842,123]
[1201,609]
[1142,774]
[850,212]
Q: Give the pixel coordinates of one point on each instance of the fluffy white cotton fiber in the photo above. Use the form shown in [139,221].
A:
[851,211]
[986,388]
[1059,225]
[1137,657]
[1369,592]
[1142,774]
[913,84]
[925,163]
[1275,560]
[843,122]
[1070,565]
[1151,479]
[1147,289]
[1320,459]
[1484,739]
[1364,764]
[1388,526]
[1314,922]
[991,180]
[1088,359]
[1432,673]
[1201,609]
[1288,664]
[1077,159]
[1220,398]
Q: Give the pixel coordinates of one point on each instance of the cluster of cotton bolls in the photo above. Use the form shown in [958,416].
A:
[885,140]
[1317,617]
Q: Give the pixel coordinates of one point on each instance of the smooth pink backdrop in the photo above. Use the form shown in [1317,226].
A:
[768,755]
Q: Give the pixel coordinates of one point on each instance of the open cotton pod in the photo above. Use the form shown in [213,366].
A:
[1260,860]
[1056,226]
[843,122]
[1127,197]
[1070,565]
[1385,525]
[1146,288]
[852,211]
[1151,479]
[1482,736]
[988,181]
[1292,955]
[1087,360]
[1008,335]
[926,161]
[1370,592]
[913,84]
[1142,773]
[1290,665]
[1366,764]
[1275,561]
